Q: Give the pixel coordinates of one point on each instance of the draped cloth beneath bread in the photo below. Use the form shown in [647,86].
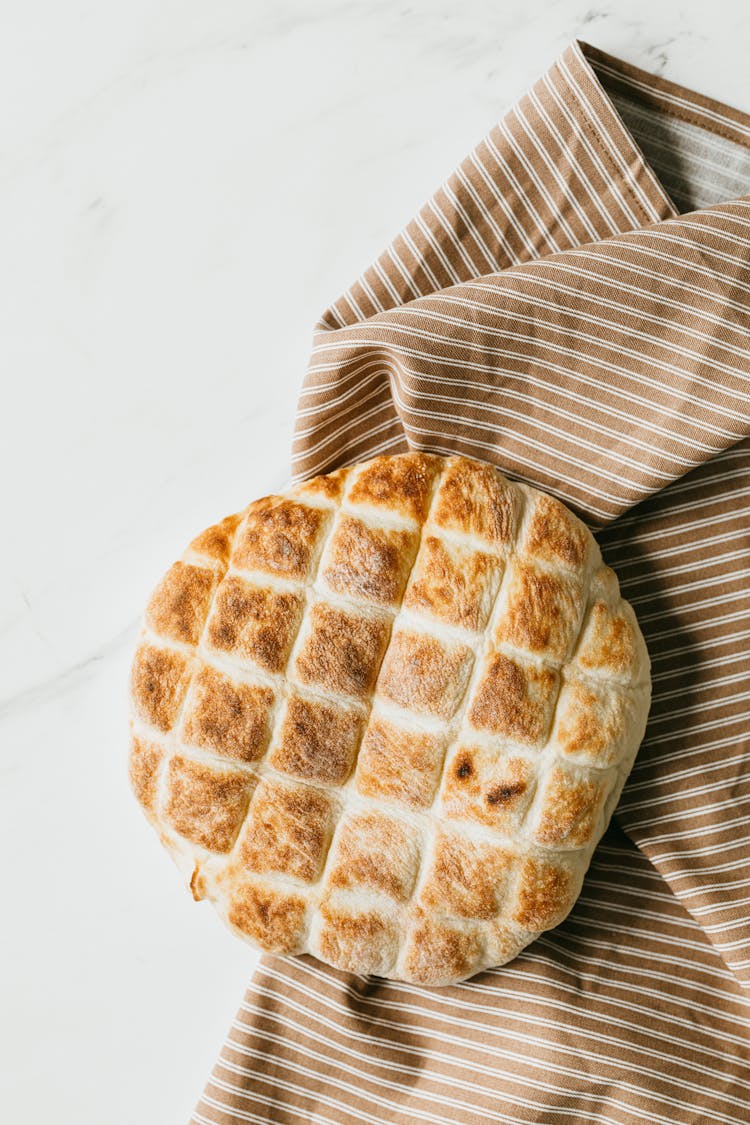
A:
[573,305]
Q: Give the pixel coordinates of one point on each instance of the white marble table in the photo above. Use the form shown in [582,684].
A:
[166,170]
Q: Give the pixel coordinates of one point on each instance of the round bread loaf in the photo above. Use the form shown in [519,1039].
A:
[384,718]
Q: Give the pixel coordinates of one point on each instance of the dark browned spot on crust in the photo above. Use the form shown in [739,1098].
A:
[474,499]
[369,563]
[465,878]
[570,810]
[216,542]
[455,585]
[280,537]
[273,918]
[205,805]
[402,483]
[342,652]
[555,535]
[357,941]
[608,644]
[545,895]
[255,623]
[514,700]
[375,852]
[158,682]
[318,742]
[542,614]
[436,953]
[288,830]
[422,674]
[180,603]
[462,767]
[144,762]
[399,765]
[228,717]
[503,793]
[486,787]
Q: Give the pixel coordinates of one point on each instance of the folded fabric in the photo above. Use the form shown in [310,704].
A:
[573,305]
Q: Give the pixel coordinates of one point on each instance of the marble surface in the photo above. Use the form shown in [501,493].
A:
[176,187]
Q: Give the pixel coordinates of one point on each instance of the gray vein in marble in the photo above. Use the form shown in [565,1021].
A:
[70,677]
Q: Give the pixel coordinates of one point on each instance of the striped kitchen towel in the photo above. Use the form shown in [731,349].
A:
[572,305]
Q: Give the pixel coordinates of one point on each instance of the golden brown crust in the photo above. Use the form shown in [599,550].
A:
[143,770]
[475,500]
[399,789]
[590,723]
[513,699]
[254,623]
[400,484]
[571,804]
[287,831]
[542,614]
[400,765]
[438,953]
[375,852]
[274,918]
[453,584]
[555,536]
[341,652]
[484,786]
[228,717]
[280,537]
[502,942]
[159,680]
[369,564]
[546,892]
[425,675]
[358,941]
[328,488]
[198,885]
[215,543]
[608,643]
[179,605]
[465,879]
[204,804]
[317,741]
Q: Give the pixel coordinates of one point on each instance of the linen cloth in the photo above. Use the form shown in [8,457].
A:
[572,305]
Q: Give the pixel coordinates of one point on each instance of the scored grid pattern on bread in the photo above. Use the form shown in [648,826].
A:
[480,878]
